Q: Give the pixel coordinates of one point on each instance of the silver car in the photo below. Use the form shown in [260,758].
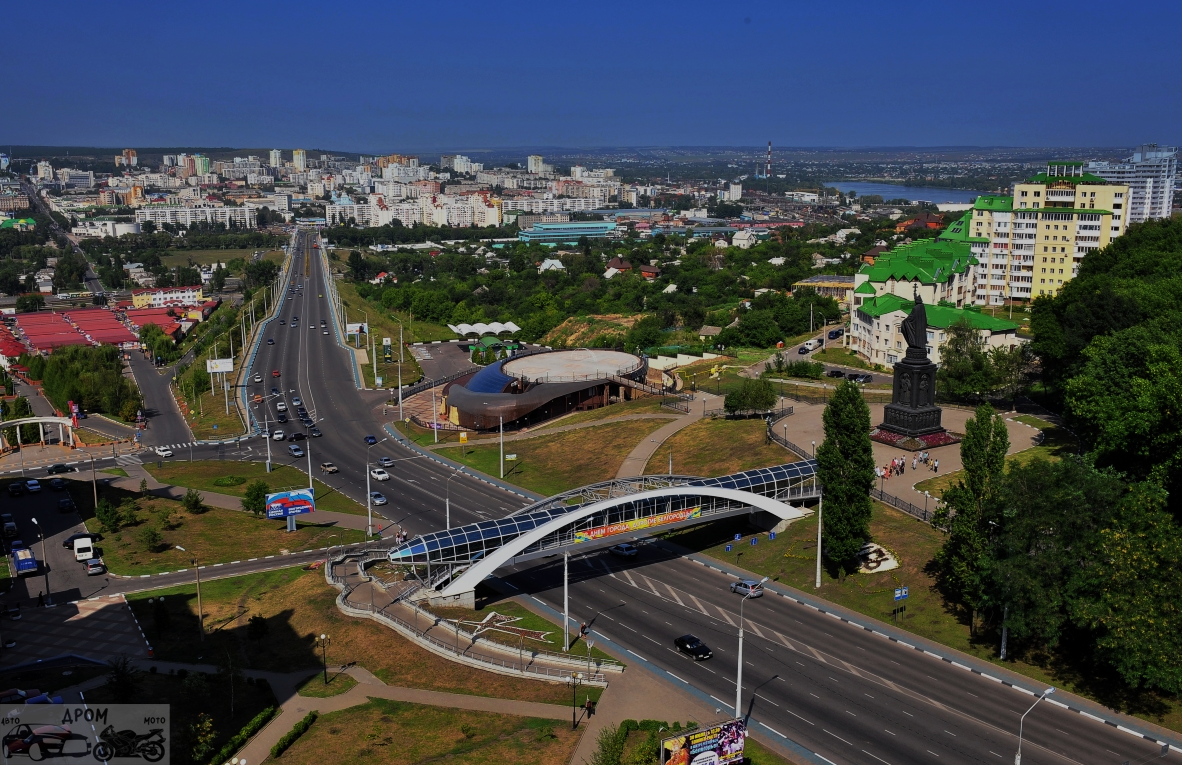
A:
[748,587]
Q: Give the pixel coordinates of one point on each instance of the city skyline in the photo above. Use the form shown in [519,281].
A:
[468,76]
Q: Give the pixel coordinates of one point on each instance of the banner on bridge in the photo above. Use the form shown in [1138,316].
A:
[294,502]
[599,532]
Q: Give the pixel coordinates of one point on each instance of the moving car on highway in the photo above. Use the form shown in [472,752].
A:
[748,587]
[377,498]
[328,467]
[370,440]
[693,647]
[378,474]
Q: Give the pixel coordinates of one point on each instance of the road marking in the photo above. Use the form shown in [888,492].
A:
[891,732]
[726,616]
[876,756]
[720,701]
[789,711]
[649,639]
[932,753]
[950,733]
[755,628]
[839,738]
[673,592]
[774,704]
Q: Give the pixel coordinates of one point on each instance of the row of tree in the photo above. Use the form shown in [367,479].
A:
[90,376]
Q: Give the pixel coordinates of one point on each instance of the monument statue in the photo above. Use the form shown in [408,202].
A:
[912,411]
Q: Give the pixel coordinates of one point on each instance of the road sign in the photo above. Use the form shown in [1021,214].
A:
[463,436]
[377,382]
[510,457]
[738,537]
[754,541]
[904,593]
[771,535]
[898,594]
[729,547]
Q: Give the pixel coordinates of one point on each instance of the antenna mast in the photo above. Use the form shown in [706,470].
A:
[767,174]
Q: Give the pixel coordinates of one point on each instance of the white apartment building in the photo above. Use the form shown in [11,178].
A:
[44,171]
[79,179]
[534,163]
[276,159]
[733,193]
[177,215]
[535,205]
[1150,173]
[299,160]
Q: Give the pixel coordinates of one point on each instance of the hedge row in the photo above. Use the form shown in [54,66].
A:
[292,735]
[244,735]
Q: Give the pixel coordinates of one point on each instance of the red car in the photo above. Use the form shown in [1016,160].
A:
[274,372]
[44,741]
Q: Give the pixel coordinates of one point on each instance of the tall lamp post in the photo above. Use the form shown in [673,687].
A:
[368,495]
[200,612]
[574,680]
[395,318]
[322,643]
[44,563]
[447,497]
[739,678]
[1022,721]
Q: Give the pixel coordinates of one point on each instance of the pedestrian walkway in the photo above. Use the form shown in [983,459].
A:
[526,434]
[637,459]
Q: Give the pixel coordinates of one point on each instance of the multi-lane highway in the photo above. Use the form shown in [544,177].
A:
[847,694]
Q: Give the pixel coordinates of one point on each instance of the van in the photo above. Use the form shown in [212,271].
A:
[83,549]
[810,346]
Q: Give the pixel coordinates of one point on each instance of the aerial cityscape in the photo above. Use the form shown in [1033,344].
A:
[618,413]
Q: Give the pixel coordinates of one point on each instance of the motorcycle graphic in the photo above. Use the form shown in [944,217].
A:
[128,743]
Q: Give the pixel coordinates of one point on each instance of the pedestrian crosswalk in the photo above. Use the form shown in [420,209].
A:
[185,445]
[128,459]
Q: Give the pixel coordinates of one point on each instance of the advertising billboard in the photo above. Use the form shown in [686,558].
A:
[294,502]
[717,745]
[219,365]
[355,328]
[599,532]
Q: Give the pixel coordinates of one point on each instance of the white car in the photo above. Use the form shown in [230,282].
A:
[281,406]
[163,451]
[379,475]
[258,378]
[297,401]
[278,436]
[33,485]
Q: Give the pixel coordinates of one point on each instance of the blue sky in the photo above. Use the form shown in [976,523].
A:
[394,76]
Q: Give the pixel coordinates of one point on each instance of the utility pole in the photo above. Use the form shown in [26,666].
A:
[565,601]
[502,419]
[819,501]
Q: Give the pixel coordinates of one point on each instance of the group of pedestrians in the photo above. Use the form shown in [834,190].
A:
[898,466]
[928,461]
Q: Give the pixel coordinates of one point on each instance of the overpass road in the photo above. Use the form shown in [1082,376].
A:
[844,693]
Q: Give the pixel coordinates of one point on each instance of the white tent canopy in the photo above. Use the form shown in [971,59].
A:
[496,328]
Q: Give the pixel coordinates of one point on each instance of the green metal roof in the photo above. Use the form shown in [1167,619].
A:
[865,288]
[958,230]
[994,204]
[1074,180]
[13,222]
[939,316]
[928,261]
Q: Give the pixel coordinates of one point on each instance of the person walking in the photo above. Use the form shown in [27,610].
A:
[914,460]
[936,467]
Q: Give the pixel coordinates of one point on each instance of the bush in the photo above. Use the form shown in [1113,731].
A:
[752,395]
[149,537]
[193,502]
[812,370]
[239,740]
[255,500]
[229,480]
[293,735]
[123,679]
[108,516]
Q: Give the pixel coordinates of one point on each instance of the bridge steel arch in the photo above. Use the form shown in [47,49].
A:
[738,502]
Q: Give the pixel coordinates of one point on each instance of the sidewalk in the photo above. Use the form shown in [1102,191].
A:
[637,459]
[525,434]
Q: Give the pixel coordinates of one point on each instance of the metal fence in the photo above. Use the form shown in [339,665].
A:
[922,513]
[675,404]
[783,411]
[419,387]
[784,442]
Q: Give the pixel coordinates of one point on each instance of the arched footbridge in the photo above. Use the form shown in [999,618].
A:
[600,515]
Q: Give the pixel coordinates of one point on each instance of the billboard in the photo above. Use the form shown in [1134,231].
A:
[294,502]
[219,365]
[717,745]
[356,328]
[588,535]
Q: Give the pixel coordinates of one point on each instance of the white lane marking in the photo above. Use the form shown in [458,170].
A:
[789,711]
[673,592]
[839,738]
[876,756]
[698,603]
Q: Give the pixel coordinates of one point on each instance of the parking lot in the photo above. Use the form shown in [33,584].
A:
[67,579]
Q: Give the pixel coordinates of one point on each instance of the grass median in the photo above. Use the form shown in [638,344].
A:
[383,731]
[715,447]
[293,606]
[562,461]
[222,478]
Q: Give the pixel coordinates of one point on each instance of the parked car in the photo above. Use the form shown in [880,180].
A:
[15,489]
[68,544]
[370,440]
[836,333]
[747,587]
[95,566]
[58,469]
[163,451]
[859,377]
[693,647]
[17,696]
[66,505]
[57,484]
[835,373]
[9,525]
[277,436]
[378,474]
[83,549]
[385,461]
[377,498]
[33,485]
[328,467]
[295,450]
[624,550]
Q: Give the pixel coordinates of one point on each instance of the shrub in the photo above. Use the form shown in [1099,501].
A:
[229,480]
[239,740]
[194,502]
[107,515]
[812,370]
[149,537]
[289,738]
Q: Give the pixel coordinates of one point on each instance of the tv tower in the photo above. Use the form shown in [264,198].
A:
[767,173]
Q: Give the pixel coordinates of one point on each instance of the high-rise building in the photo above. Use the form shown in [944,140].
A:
[276,158]
[299,160]
[44,171]
[1032,243]
[1150,174]
[127,159]
[534,164]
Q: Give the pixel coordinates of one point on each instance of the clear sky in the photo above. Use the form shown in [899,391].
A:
[390,76]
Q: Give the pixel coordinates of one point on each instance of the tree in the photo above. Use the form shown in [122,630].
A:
[609,746]
[964,558]
[29,303]
[357,266]
[752,395]
[217,281]
[255,499]
[122,679]
[845,468]
[964,365]
[108,516]
[201,737]
[193,502]
[149,536]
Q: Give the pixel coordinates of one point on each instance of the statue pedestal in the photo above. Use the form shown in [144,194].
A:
[912,419]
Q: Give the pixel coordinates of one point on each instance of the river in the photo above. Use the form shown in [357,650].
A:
[913,193]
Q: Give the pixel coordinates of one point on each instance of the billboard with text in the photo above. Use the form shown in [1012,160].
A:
[588,535]
[717,745]
[354,328]
[293,502]
[219,365]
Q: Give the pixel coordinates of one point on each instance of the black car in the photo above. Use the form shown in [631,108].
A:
[69,543]
[66,505]
[370,440]
[835,373]
[274,391]
[315,432]
[302,411]
[56,469]
[281,321]
[836,333]
[296,437]
[281,418]
[693,647]
[57,484]
[16,488]
[270,341]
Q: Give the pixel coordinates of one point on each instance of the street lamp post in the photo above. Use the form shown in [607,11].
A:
[739,677]
[1022,722]
[93,480]
[368,494]
[322,642]
[200,612]
[44,563]
[575,679]
[447,497]
[820,502]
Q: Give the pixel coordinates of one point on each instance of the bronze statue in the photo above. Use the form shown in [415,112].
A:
[915,326]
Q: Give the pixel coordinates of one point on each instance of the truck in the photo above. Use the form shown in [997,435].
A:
[23,562]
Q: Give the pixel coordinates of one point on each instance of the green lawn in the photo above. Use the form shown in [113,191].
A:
[215,536]
[714,447]
[383,326]
[115,471]
[208,418]
[383,731]
[202,474]
[836,354]
[555,463]
[209,257]
[338,683]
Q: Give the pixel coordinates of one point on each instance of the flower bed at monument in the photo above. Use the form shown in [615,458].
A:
[914,443]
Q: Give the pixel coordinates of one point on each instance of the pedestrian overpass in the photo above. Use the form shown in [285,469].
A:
[599,515]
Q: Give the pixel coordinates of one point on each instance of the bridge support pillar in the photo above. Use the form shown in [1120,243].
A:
[461,599]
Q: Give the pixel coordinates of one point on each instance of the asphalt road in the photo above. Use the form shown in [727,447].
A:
[66,577]
[839,691]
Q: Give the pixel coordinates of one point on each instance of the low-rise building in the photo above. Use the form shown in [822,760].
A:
[937,270]
[876,329]
[168,296]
